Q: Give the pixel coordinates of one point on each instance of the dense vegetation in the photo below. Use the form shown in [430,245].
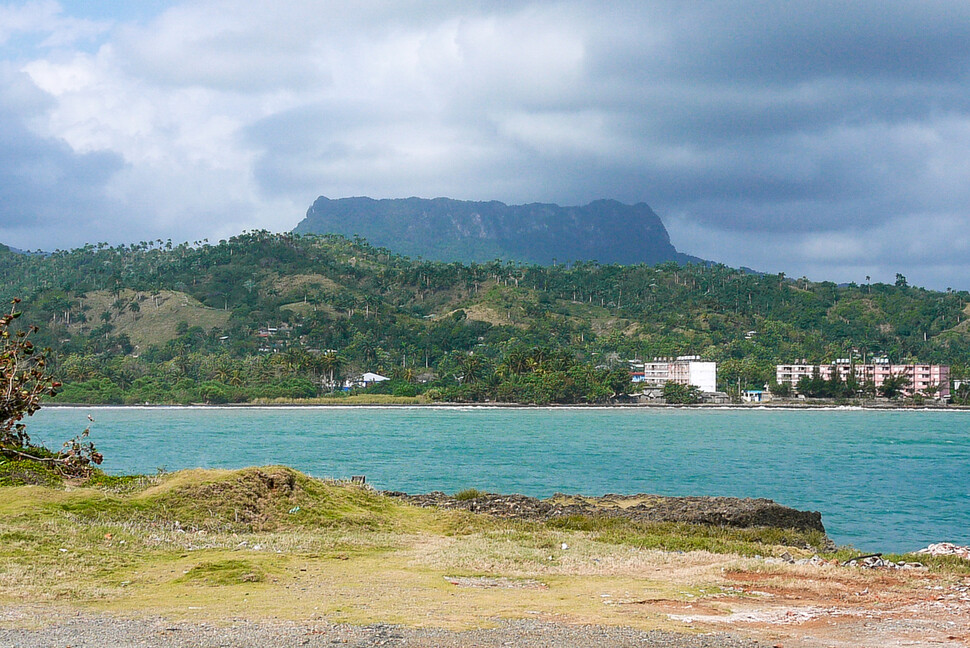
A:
[287,316]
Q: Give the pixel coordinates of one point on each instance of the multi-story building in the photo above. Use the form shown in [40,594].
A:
[685,370]
[923,378]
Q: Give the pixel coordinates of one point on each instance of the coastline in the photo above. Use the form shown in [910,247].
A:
[770,452]
[579,406]
[267,556]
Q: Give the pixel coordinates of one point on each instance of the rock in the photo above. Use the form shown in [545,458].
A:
[715,511]
[946,549]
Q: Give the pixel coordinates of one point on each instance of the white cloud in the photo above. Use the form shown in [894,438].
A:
[46,17]
[797,142]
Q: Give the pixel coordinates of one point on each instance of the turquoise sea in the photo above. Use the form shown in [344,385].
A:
[883,480]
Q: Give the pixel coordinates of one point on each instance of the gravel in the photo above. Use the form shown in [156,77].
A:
[105,631]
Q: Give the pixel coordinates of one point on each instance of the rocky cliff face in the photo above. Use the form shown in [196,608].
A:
[454,230]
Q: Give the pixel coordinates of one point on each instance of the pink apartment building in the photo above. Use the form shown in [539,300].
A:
[921,376]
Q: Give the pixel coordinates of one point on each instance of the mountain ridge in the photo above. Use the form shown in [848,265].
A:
[444,229]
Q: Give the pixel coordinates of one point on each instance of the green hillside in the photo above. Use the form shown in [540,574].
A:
[265,316]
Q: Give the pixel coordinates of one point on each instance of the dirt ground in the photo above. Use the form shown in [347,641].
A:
[804,606]
[838,606]
[91,568]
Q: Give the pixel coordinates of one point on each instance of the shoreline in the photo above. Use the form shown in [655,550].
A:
[571,406]
[266,556]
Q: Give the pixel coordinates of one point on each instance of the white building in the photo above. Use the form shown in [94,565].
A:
[684,370]
[365,380]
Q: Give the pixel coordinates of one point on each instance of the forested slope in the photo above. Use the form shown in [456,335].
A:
[278,315]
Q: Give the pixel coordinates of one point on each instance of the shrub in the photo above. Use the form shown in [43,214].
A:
[28,473]
[24,379]
[97,391]
[469,494]
[678,394]
[214,392]
[405,389]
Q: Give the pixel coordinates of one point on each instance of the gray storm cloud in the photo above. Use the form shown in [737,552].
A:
[827,139]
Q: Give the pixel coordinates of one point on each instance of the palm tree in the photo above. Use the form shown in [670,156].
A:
[330,362]
[893,386]
[472,365]
[516,361]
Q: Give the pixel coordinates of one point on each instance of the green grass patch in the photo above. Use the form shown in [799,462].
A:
[118,483]
[469,494]
[949,564]
[674,536]
[28,473]
[18,539]
[224,572]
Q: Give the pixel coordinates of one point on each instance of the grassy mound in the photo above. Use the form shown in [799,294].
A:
[224,572]
[267,498]
[259,499]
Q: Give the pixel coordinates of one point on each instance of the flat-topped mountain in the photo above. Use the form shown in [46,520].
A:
[443,229]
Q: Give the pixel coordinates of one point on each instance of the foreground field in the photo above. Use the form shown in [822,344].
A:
[269,550]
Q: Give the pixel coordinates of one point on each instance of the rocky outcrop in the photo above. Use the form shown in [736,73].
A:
[443,229]
[716,511]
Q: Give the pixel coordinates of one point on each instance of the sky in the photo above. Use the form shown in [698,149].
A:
[821,139]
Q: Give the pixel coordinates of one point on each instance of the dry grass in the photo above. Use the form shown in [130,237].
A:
[314,549]
[303,282]
[619,502]
[483,313]
[158,317]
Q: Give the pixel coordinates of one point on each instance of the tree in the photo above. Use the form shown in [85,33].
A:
[330,362]
[24,380]
[619,382]
[852,386]
[834,386]
[677,394]
[473,366]
[961,395]
[812,387]
[893,386]
[782,390]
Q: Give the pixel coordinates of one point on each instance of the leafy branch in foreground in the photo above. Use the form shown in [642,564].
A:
[24,380]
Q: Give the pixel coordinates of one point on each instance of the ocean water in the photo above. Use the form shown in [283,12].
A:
[883,480]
